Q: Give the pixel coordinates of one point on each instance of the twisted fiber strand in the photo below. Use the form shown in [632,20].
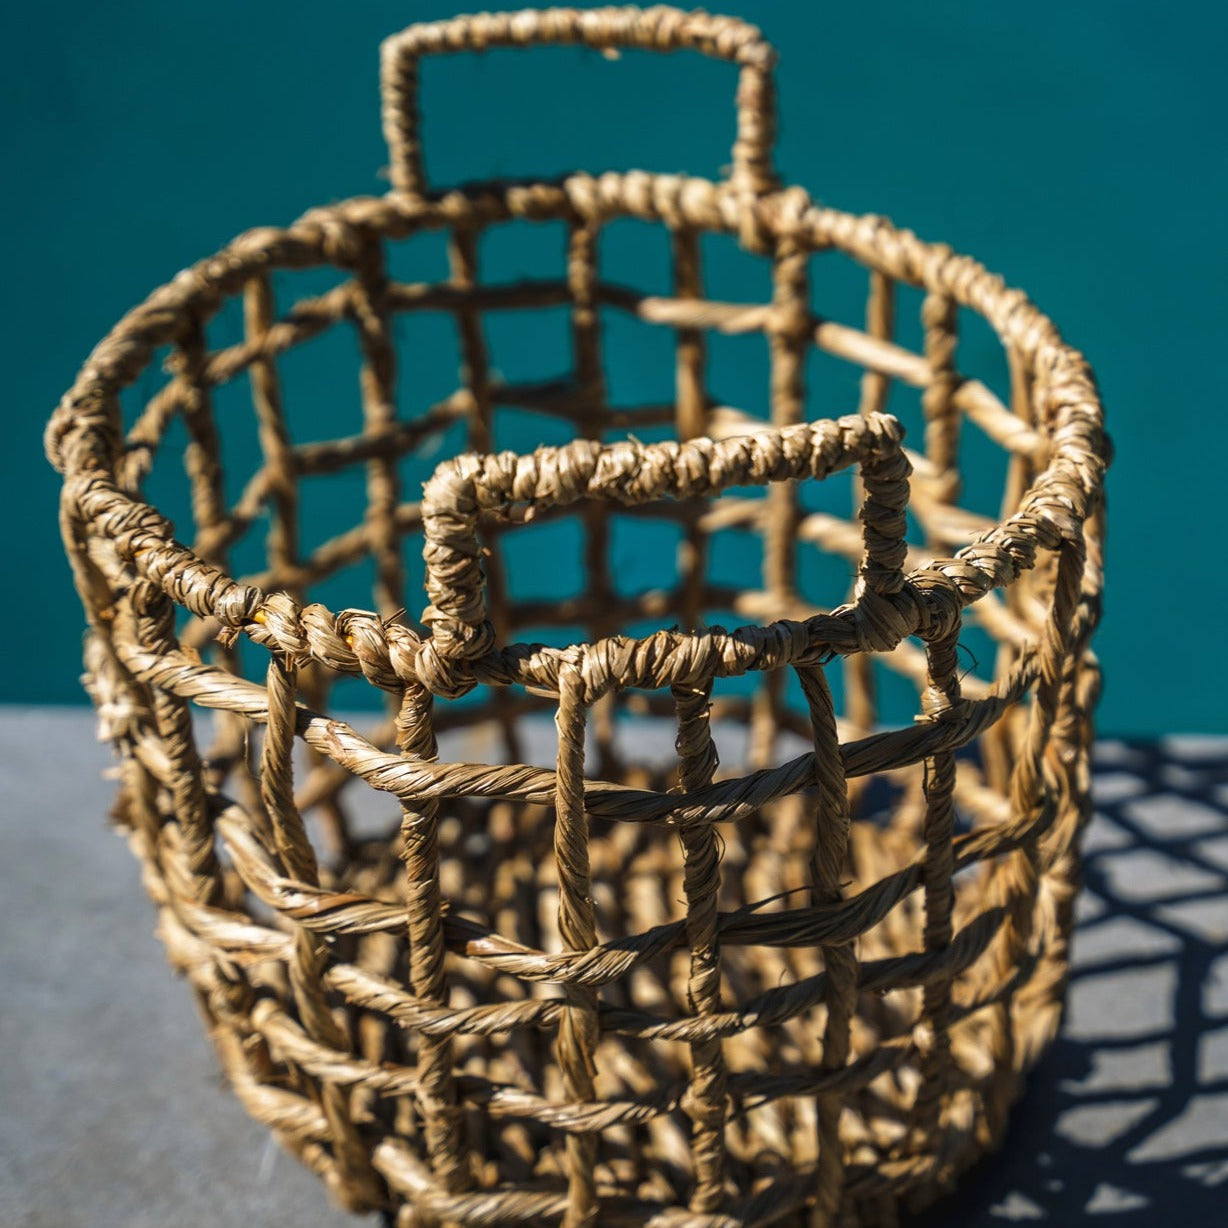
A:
[586,412]
[589,375]
[330,235]
[291,1039]
[880,328]
[298,1123]
[687,312]
[137,809]
[998,749]
[788,327]
[425,914]
[882,358]
[475,360]
[634,473]
[827,865]
[724,801]
[481,390]
[690,417]
[281,485]
[1032,793]
[654,29]
[719,802]
[329,456]
[389,911]
[579,1119]
[206,591]
[228,1004]
[202,455]
[706,1101]
[691,398]
[173,719]
[238,940]
[332,912]
[577,1036]
[202,463]
[378,386]
[306,319]
[788,340]
[941,695]
[940,317]
[1022,467]
[860,701]
[277,774]
[772,1007]
[514,1102]
[587,405]
[361,1186]
[1059,857]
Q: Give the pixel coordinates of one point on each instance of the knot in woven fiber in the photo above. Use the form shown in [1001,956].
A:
[882,620]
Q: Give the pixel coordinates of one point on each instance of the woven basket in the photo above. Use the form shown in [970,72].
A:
[627,987]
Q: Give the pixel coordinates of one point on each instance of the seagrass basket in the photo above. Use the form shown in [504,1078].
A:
[586,971]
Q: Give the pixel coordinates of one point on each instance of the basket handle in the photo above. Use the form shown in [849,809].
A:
[630,472]
[660,28]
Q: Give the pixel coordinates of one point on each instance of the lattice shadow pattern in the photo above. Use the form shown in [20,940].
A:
[1126,1119]
[786,988]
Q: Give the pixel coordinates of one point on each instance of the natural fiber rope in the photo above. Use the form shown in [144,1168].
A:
[525,1002]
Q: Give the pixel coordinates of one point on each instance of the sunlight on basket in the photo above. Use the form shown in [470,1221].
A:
[600,971]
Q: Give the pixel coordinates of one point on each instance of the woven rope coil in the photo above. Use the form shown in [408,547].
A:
[801,986]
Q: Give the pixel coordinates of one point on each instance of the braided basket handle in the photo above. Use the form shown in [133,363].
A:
[629,472]
[660,28]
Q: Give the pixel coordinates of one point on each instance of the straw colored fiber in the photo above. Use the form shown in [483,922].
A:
[633,985]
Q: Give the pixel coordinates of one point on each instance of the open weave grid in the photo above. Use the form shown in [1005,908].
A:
[799,990]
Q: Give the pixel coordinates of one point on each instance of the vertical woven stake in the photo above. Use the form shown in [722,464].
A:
[1032,806]
[706,1098]
[788,340]
[826,869]
[690,415]
[577,1039]
[476,376]
[941,695]
[202,464]
[588,402]
[283,537]
[358,1186]
[378,384]
[939,316]
[860,698]
[424,910]
[475,358]
[173,718]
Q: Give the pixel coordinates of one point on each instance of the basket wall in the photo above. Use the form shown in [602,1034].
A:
[581,971]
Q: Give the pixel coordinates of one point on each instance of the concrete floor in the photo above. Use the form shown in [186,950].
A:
[114,1114]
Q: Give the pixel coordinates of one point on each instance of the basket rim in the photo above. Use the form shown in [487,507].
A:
[83,439]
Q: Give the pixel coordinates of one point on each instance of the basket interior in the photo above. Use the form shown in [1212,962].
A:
[308,412]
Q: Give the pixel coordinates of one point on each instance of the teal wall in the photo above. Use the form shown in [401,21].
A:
[1077,148]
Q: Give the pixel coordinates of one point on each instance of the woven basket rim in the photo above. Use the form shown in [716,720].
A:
[81,438]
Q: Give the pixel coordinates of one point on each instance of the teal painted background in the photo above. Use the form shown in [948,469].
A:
[1075,148]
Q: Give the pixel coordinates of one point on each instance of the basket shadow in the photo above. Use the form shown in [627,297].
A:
[1127,1116]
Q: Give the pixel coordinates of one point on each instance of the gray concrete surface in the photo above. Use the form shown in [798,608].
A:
[114,1115]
